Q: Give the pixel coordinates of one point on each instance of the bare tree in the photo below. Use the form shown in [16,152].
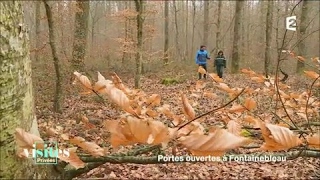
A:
[166,31]
[236,37]
[177,28]
[38,17]
[301,34]
[186,54]
[139,9]
[205,23]
[56,61]
[193,23]
[80,36]
[268,38]
[218,33]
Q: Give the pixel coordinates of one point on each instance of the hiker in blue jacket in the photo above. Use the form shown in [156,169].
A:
[220,63]
[201,59]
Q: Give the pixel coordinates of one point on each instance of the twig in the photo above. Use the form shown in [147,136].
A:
[209,112]
[277,70]
[309,94]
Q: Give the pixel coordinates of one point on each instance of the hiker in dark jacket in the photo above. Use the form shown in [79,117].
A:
[220,63]
[201,59]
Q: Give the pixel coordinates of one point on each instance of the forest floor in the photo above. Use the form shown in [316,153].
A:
[75,106]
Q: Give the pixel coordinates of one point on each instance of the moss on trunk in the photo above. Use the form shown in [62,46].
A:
[16,107]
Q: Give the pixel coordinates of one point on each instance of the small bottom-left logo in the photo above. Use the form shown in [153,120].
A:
[46,152]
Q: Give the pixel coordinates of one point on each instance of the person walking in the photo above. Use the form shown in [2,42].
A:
[220,63]
[201,59]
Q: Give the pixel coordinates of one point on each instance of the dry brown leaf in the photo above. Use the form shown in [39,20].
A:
[216,143]
[187,108]
[64,137]
[137,131]
[51,132]
[252,121]
[73,160]
[26,140]
[152,113]
[83,80]
[216,78]
[314,141]
[250,104]
[258,79]
[300,58]
[225,88]
[202,70]
[119,97]
[154,100]
[118,83]
[159,133]
[90,147]
[200,84]
[312,74]
[237,108]
[192,128]
[117,137]
[210,95]
[277,138]
[284,95]
[234,127]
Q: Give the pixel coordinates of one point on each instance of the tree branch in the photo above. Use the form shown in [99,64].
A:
[159,160]
[211,110]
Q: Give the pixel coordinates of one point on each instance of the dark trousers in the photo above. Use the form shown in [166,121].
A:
[219,69]
[204,67]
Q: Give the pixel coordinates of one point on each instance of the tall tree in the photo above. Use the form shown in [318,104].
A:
[38,17]
[166,31]
[126,34]
[205,23]
[178,55]
[186,50]
[56,61]
[301,34]
[268,38]
[139,9]
[193,23]
[236,37]
[16,105]
[80,35]
[218,33]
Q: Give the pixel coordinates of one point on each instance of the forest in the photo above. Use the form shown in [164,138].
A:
[114,89]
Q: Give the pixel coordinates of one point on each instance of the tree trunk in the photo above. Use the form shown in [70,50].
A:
[38,16]
[301,34]
[186,54]
[193,23]
[218,34]
[166,32]
[16,105]
[268,39]
[80,36]
[56,61]
[126,30]
[178,55]
[139,10]
[205,23]
[236,38]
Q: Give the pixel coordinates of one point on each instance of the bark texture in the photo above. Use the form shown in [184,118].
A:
[139,10]
[236,38]
[16,107]
[302,33]
[80,36]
